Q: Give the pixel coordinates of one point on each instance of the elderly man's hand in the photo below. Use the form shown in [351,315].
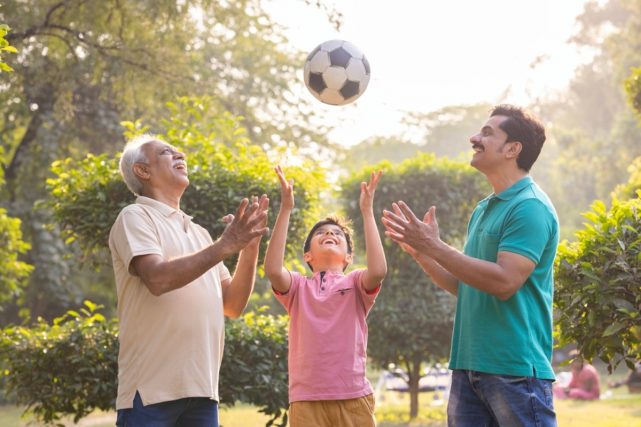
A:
[247,225]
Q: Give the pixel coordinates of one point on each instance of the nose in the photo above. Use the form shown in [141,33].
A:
[475,138]
[179,155]
[330,232]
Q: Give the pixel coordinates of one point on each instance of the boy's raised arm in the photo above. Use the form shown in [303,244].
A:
[278,276]
[376,263]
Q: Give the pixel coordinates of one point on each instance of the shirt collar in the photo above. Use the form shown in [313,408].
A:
[515,189]
[162,207]
[327,274]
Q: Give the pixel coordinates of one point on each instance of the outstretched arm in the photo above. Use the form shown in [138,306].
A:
[500,279]
[162,275]
[441,277]
[278,275]
[236,291]
[376,263]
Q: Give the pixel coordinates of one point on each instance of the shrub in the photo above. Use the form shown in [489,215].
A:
[598,291]
[69,367]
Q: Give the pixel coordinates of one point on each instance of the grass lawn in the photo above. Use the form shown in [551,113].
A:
[618,410]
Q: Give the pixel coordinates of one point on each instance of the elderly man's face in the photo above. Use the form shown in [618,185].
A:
[166,165]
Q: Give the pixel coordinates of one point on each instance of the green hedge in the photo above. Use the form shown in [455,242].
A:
[69,367]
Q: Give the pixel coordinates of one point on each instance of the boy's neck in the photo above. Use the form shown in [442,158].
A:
[328,269]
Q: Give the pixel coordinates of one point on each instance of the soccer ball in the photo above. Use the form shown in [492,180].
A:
[336,72]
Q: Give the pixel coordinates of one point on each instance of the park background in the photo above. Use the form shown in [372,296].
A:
[223,81]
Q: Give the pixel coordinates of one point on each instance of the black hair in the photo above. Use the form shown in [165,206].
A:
[524,128]
[342,223]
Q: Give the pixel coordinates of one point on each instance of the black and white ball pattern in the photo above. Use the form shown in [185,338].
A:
[336,72]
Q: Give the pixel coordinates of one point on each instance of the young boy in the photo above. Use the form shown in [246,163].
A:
[327,328]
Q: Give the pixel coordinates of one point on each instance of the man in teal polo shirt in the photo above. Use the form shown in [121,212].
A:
[502,341]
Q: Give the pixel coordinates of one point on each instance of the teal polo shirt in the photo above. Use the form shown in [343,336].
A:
[512,337]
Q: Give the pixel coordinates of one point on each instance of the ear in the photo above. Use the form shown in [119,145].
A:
[514,149]
[141,171]
[307,256]
[349,258]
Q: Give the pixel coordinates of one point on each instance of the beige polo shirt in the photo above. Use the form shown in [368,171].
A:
[171,346]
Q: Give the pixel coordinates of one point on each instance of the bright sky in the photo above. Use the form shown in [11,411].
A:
[428,54]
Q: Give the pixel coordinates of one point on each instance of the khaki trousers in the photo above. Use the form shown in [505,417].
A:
[357,412]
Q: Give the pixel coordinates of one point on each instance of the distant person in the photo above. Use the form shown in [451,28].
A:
[632,380]
[174,291]
[584,383]
[503,280]
[327,328]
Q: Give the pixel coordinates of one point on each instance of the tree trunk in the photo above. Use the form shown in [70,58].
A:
[414,376]
[44,99]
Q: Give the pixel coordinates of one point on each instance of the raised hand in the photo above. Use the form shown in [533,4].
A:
[247,224]
[410,232]
[366,201]
[286,190]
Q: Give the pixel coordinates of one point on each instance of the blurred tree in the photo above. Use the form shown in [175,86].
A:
[630,189]
[633,90]
[5,46]
[13,271]
[85,65]
[377,149]
[595,133]
[411,322]
[447,131]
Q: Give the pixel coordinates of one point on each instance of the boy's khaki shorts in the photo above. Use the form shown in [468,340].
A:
[357,412]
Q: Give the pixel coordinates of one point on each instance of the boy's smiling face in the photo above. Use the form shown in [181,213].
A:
[328,249]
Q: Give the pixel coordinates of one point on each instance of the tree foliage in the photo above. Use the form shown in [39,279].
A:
[225,167]
[13,271]
[595,133]
[597,294]
[85,66]
[411,322]
[630,189]
[5,46]
[69,367]
[633,90]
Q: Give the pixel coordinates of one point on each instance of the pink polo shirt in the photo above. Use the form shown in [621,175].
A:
[327,336]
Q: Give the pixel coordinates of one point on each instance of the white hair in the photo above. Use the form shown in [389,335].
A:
[131,154]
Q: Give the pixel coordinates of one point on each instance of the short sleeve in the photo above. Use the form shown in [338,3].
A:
[368,298]
[529,228]
[223,272]
[287,298]
[134,234]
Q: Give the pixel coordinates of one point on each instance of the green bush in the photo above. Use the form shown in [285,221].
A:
[65,368]
[598,285]
[254,367]
[69,367]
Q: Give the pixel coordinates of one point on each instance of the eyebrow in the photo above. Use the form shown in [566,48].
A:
[330,227]
[172,148]
[487,128]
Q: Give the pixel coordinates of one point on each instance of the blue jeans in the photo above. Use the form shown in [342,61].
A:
[486,400]
[189,412]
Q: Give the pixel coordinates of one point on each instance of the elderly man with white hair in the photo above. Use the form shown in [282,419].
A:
[174,291]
